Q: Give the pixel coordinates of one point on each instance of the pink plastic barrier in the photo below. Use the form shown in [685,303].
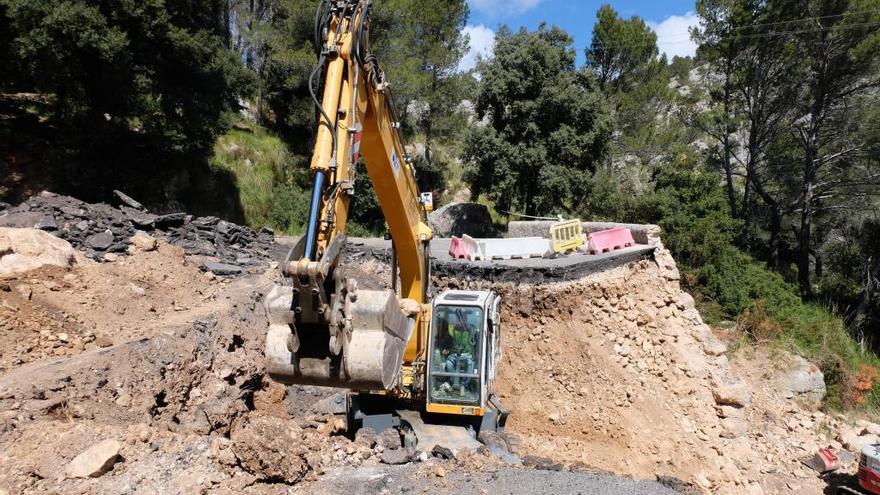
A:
[457,249]
[604,241]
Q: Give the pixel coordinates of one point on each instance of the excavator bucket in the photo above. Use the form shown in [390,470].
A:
[373,338]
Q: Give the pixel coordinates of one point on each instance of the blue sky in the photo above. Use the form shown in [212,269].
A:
[669,18]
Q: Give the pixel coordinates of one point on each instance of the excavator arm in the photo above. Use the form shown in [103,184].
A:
[324,330]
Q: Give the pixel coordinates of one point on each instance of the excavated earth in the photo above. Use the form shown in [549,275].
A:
[616,386]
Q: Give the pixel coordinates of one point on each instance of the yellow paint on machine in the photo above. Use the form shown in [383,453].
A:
[455,409]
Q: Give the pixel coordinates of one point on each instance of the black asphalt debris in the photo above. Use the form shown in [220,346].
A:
[98,229]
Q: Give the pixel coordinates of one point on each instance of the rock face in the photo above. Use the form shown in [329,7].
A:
[805,381]
[462,218]
[95,461]
[22,250]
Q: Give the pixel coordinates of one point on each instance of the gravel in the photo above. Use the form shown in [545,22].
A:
[512,480]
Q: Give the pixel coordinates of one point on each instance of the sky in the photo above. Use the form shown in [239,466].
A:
[670,19]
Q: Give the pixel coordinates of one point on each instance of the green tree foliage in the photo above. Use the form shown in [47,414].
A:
[148,67]
[546,126]
[841,61]
[624,56]
[621,50]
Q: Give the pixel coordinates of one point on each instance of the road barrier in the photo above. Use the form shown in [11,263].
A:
[566,235]
[505,249]
[457,249]
[473,248]
[609,240]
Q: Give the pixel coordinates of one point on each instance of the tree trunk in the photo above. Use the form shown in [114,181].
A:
[872,273]
[806,224]
[728,165]
[775,236]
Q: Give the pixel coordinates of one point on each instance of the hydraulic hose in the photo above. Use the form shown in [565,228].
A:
[314,212]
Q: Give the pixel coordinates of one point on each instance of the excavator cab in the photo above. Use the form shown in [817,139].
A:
[465,347]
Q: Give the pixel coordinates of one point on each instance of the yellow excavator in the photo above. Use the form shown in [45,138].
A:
[407,357]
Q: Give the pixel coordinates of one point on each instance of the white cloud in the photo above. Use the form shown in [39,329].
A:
[482,40]
[500,8]
[673,35]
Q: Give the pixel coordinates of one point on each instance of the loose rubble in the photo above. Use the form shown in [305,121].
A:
[100,230]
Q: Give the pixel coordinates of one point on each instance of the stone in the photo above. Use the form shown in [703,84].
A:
[684,301]
[335,404]
[389,438]
[221,268]
[170,220]
[111,258]
[23,250]
[439,471]
[142,241]
[462,218]
[94,461]
[732,427]
[395,457]
[100,241]
[854,442]
[24,220]
[269,448]
[332,427]
[494,441]
[442,452]
[137,290]
[366,436]
[541,463]
[804,380]
[714,348]
[46,223]
[128,200]
[732,394]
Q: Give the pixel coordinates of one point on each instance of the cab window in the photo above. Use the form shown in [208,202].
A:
[455,354]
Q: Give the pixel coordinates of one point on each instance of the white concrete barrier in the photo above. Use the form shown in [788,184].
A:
[511,248]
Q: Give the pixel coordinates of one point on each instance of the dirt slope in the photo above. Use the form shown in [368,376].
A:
[617,371]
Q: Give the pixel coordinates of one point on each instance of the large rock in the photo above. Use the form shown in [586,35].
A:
[94,461]
[733,393]
[462,218]
[270,449]
[141,241]
[805,381]
[854,439]
[22,250]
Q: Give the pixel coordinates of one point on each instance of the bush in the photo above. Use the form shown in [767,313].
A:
[290,209]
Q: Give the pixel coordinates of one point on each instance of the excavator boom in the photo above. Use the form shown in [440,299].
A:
[323,329]
[384,344]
